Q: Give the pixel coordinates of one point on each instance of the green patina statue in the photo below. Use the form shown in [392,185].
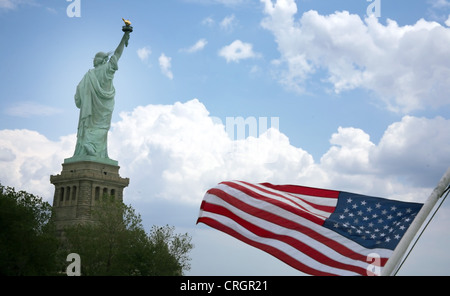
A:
[95,98]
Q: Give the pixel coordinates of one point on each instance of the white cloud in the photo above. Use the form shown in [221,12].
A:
[7,4]
[209,21]
[237,51]
[447,22]
[413,151]
[181,151]
[6,154]
[27,159]
[393,61]
[51,10]
[144,53]
[165,64]
[184,151]
[29,109]
[412,145]
[440,3]
[199,45]
[176,152]
[350,151]
[13,4]
[228,23]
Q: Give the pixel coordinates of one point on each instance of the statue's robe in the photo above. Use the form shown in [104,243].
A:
[95,99]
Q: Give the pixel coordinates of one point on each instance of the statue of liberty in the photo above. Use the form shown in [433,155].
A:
[95,98]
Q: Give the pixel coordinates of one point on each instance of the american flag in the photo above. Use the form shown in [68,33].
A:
[316,231]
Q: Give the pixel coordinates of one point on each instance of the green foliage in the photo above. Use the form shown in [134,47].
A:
[27,242]
[117,244]
[169,251]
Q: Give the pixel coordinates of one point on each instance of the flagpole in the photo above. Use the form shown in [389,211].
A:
[415,226]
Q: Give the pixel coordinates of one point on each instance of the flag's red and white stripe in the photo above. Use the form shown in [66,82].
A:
[286,221]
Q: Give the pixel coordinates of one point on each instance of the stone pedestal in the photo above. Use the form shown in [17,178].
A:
[80,186]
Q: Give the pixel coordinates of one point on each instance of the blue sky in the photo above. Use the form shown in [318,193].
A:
[362,104]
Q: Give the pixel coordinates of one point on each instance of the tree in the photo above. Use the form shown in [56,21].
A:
[27,242]
[114,244]
[169,251]
[117,244]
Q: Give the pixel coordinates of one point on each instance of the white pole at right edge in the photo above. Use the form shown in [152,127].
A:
[415,226]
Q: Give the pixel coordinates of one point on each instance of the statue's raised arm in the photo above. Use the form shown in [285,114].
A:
[127,29]
[119,50]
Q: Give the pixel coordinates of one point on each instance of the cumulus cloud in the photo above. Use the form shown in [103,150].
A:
[176,152]
[447,22]
[414,151]
[6,4]
[208,21]
[13,4]
[415,144]
[180,151]
[440,3]
[182,147]
[27,159]
[198,46]
[237,51]
[228,23]
[406,66]
[6,155]
[165,63]
[144,53]
[350,151]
